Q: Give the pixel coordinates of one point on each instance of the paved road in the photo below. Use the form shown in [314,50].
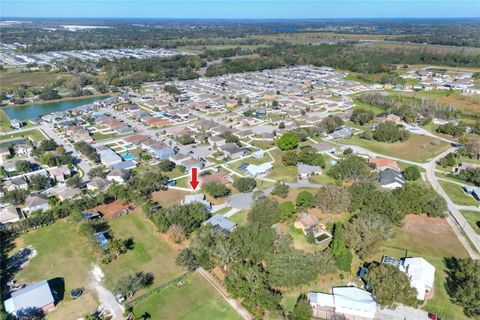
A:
[453,208]
[83,164]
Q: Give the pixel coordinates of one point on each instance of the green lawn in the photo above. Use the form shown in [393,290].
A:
[151,252]
[4,122]
[240,218]
[321,179]
[97,136]
[417,148]
[473,218]
[281,172]
[432,239]
[61,253]
[35,135]
[196,300]
[363,105]
[456,193]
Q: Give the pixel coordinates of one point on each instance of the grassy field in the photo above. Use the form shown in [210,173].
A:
[363,105]
[240,218]
[456,193]
[151,251]
[196,300]
[4,122]
[12,79]
[432,239]
[169,197]
[417,148]
[97,136]
[35,135]
[61,253]
[473,218]
[280,171]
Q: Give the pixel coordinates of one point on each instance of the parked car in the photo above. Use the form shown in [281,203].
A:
[432,316]
[120,297]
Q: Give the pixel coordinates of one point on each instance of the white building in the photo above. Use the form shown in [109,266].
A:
[351,302]
[421,274]
[258,171]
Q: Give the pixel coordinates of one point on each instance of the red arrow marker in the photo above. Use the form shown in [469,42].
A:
[194,182]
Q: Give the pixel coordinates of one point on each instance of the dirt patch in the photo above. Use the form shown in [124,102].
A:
[176,246]
[114,209]
[417,225]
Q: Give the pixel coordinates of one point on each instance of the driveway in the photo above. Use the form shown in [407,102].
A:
[105,297]
[243,201]
[401,313]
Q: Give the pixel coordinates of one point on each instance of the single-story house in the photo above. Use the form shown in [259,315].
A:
[351,302]
[232,151]
[108,157]
[97,183]
[197,198]
[68,193]
[118,175]
[221,222]
[306,170]
[23,149]
[342,132]
[16,184]
[254,170]
[384,163]
[306,223]
[35,203]
[220,177]
[324,147]
[217,141]
[9,214]
[59,174]
[32,297]
[391,179]
[420,272]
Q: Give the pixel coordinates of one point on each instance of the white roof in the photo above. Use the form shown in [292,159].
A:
[421,274]
[354,298]
[321,299]
[255,170]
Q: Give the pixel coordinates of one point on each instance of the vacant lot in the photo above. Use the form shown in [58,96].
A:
[151,251]
[35,135]
[196,300]
[169,197]
[280,171]
[61,253]
[13,79]
[417,148]
[432,239]
[457,195]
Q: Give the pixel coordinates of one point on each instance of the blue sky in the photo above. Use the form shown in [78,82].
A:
[231,9]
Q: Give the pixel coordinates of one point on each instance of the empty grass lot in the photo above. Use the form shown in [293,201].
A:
[473,218]
[417,148]
[457,195]
[61,253]
[12,79]
[151,252]
[35,135]
[280,171]
[197,299]
[169,197]
[432,239]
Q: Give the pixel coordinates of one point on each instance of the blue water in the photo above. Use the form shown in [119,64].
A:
[32,111]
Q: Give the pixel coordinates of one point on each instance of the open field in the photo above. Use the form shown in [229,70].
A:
[432,239]
[280,171]
[473,218]
[62,253]
[151,251]
[12,79]
[4,122]
[417,148]
[35,135]
[457,195]
[169,197]
[197,299]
